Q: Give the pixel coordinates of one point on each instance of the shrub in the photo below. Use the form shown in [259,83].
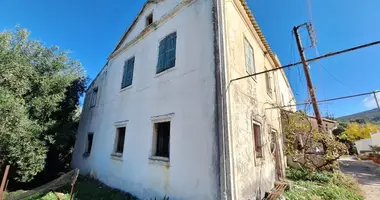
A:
[306,175]
[322,186]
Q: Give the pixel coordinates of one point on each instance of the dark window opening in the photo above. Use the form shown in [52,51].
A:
[120,140]
[94,96]
[90,138]
[162,139]
[149,19]
[257,138]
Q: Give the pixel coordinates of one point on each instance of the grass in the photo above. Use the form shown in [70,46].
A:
[322,186]
[85,189]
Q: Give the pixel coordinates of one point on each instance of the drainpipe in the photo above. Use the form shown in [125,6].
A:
[221,121]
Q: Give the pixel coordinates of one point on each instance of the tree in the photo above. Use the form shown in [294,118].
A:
[356,131]
[39,89]
[310,148]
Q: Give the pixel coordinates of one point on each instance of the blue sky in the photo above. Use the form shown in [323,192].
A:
[91,29]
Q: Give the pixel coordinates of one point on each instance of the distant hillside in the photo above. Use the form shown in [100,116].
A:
[369,115]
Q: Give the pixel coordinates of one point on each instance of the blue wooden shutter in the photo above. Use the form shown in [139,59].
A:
[130,67]
[171,50]
[161,56]
[123,81]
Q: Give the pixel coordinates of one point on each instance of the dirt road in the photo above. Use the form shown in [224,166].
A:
[367,174]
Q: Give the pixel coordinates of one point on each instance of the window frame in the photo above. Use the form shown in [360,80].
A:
[257,140]
[164,53]
[155,136]
[88,145]
[251,69]
[124,78]
[268,83]
[94,97]
[116,141]
[148,18]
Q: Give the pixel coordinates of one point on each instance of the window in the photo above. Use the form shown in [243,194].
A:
[94,96]
[268,80]
[167,53]
[161,144]
[128,73]
[257,139]
[90,137]
[249,58]
[149,19]
[282,99]
[119,141]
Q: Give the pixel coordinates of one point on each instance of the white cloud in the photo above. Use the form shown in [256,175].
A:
[370,102]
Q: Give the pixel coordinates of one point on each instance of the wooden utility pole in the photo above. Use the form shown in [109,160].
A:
[3,182]
[308,78]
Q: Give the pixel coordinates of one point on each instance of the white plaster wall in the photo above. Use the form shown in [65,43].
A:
[158,9]
[364,145]
[249,100]
[285,93]
[187,91]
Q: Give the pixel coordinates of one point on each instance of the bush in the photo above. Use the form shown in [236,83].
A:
[306,175]
[322,186]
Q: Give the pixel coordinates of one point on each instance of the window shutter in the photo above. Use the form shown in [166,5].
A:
[130,67]
[123,82]
[161,56]
[171,50]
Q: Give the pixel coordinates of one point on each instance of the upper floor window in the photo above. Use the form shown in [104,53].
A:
[149,19]
[93,97]
[268,80]
[249,58]
[128,73]
[167,53]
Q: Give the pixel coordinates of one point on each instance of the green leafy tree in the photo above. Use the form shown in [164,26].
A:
[39,104]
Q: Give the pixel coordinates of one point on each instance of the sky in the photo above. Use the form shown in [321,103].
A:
[90,29]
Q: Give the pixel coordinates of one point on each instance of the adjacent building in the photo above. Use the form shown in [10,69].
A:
[165,116]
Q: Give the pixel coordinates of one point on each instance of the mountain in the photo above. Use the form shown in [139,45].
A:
[369,115]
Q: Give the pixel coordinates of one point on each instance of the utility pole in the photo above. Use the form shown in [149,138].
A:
[308,78]
[377,102]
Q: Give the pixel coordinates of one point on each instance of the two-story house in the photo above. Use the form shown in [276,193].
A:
[163,117]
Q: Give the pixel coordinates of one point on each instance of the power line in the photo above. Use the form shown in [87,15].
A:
[327,100]
[309,60]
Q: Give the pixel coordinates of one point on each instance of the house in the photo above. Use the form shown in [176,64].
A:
[163,117]
[364,145]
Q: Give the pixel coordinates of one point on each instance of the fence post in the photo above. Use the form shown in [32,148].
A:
[3,182]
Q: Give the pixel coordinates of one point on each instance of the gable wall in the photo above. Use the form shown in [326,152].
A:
[158,9]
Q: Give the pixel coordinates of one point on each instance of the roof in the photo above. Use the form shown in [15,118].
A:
[122,39]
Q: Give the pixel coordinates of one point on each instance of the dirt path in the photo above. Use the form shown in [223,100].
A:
[367,174]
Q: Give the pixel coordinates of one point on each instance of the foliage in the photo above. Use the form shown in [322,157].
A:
[306,175]
[85,189]
[356,131]
[40,89]
[308,190]
[334,185]
[310,148]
